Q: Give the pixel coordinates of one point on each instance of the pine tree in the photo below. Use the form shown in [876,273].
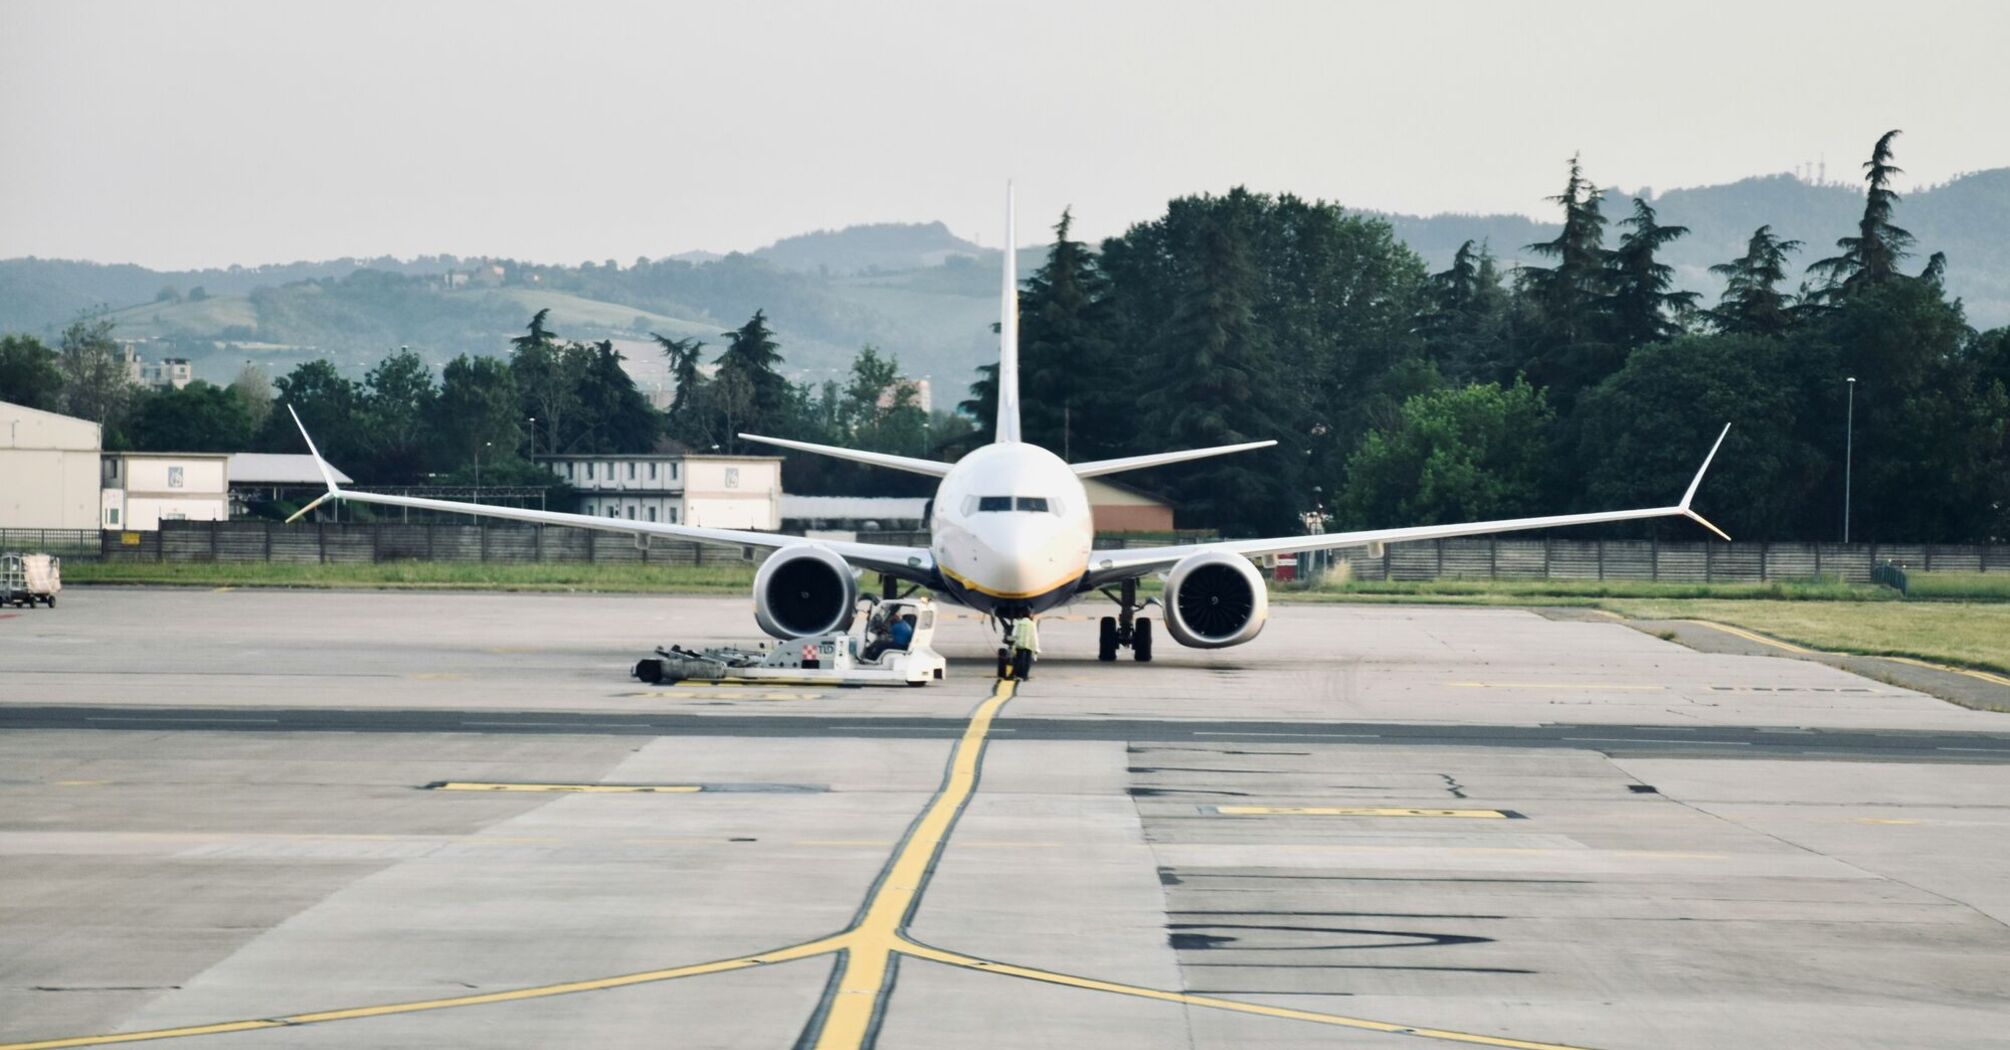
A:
[1465,324]
[1752,303]
[1639,303]
[752,355]
[684,355]
[1872,256]
[1567,293]
[1066,355]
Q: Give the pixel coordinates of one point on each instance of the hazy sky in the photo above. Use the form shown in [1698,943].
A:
[183,134]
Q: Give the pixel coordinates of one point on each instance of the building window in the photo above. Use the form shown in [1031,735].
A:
[112,516]
[111,473]
[568,472]
[613,511]
[589,472]
[732,477]
[673,515]
[652,514]
[174,477]
[652,472]
[631,514]
[673,472]
[631,471]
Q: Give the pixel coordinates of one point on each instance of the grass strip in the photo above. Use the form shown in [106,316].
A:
[733,577]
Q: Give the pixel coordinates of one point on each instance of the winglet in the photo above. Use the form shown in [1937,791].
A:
[327,472]
[1698,480]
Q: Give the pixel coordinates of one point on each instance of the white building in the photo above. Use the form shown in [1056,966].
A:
[143,489]
[48,470]
[173,372]
[721,492]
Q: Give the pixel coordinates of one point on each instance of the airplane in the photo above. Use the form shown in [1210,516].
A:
[1011,536]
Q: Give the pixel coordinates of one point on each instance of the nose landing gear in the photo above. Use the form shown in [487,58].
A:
[1126,629]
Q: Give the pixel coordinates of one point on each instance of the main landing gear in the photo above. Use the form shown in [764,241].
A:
[1126,629]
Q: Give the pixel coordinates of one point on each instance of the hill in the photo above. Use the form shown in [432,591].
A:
[915,290]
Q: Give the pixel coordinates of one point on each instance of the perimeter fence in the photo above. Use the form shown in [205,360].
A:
[1479,558]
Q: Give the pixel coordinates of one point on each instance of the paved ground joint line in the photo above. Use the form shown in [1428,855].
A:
[869,950]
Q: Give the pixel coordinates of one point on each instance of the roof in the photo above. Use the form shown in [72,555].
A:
[853,508]
[125,454]
[275,468]
[31,428]
[644,457]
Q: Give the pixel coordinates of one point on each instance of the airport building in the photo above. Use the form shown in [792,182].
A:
[1121,508]
[721,492]
[142,489]
[48,470]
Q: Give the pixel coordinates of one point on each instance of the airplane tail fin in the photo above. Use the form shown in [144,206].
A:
[1008,333]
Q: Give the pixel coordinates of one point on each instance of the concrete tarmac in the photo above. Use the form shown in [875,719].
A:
[279,819]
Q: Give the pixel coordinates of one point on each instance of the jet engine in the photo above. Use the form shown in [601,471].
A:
[804,591]
[1214,600]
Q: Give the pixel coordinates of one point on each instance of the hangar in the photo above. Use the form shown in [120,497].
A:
[48,469]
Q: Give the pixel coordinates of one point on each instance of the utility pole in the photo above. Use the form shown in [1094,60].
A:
[1849,454]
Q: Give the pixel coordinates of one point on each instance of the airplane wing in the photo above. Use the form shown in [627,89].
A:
[1109,566]
[913,564]
[930,467]
[1097,468]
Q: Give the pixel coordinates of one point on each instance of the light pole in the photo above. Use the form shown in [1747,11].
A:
[478,469]
[1849,453]
[533,437]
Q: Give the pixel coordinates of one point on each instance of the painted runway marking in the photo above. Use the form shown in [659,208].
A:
[867,950]
[589,789]
[1356,811]
[1600,686]
[173,718]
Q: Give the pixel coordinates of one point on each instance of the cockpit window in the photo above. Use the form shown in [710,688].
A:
[989,503]
[1036,503]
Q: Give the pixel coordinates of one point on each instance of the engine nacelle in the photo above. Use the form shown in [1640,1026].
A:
[1214,600]
[804,591]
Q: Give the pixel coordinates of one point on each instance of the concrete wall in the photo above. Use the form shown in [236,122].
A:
[48,470]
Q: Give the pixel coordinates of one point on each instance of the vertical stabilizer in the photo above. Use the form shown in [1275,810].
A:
[1008,332]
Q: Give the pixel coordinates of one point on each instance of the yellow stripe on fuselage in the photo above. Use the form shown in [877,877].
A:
[970,584]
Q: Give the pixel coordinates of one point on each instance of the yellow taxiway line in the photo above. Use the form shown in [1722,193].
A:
[863,984]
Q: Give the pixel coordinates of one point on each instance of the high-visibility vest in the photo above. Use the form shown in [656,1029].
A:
[1025,635]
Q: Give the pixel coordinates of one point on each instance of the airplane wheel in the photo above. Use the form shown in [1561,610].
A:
[1141,642]
[1106,643]
[1004,667]
[1022,665]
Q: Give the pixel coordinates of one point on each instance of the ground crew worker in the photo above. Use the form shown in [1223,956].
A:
[1025,646]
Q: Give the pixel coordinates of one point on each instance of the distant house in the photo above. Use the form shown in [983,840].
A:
[173,372]
[722,492]
[48,470]
[1120,508]
[853,513]
[142,489]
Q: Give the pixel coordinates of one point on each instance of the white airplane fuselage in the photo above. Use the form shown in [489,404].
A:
[1011,529]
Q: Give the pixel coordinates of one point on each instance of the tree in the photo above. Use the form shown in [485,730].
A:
[1752,303]
[1461,454]
[547,375]
[477,409]
[197,418]
[684,357]
[253,390]
[1068,368]
[1562,337]
[617,418]
[1643,430]
[751,354]
[29,374]
[399,399]
[1638,302]
[1465,323]
[1872,256]
[96,384]
[982,404]
[327,404]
